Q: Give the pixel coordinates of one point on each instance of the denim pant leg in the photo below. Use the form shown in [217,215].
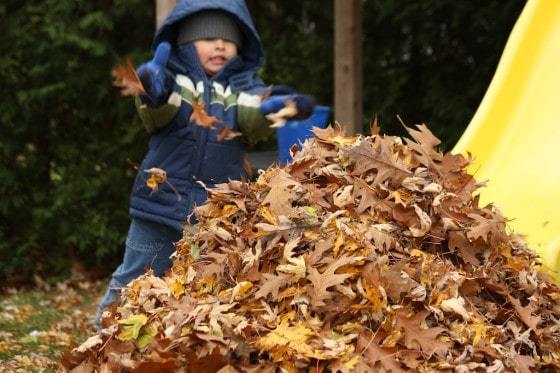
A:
[148,245]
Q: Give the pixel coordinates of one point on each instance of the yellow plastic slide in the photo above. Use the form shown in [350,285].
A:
[515,133]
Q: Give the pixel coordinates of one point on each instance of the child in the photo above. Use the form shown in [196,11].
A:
[208,51]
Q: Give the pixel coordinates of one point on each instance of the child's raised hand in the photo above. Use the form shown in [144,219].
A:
[155,78]
[281,95]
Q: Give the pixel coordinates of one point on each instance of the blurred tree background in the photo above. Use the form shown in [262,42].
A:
[69,143]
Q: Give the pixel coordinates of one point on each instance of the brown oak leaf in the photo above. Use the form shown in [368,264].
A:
[367,156]
[425,146]
[369,346]
[417,336]
[490,230]
[525,312]
[271,284]
[283,190]
[322,281]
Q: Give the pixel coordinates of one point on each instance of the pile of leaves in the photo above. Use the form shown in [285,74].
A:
[363,254]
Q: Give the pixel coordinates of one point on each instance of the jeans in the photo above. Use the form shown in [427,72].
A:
[148,245]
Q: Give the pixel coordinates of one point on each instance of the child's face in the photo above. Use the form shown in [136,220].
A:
[213,54]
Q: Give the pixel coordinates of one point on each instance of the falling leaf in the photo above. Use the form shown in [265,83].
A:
[227,134]
[200,117]
[127,80]
[157,177]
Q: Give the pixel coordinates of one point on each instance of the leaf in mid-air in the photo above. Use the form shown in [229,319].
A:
[200,117]
[127,80]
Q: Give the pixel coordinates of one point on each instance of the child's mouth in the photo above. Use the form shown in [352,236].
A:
[218,60]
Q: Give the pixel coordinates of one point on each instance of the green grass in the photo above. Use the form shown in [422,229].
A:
[38,326]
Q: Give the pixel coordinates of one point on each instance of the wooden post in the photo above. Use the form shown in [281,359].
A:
[348,64]
[163,9]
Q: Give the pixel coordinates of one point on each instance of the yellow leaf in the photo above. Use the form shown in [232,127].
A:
[239,291]
[176,285]
[206,285]
[229,210]
[338,243]
[479,329]
[294,337]
[147,333]
[296,267]
[350,364]
[376,296]
[267,215]
[131,327]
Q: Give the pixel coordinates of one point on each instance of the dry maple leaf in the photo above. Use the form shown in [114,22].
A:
[127,80]
[200,117]
[293,337]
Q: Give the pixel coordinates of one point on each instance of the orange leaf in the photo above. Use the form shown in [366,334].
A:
[227,134]
[201,118]
[127,80]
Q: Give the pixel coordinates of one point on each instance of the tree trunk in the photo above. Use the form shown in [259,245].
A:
[163,9]
[348,64]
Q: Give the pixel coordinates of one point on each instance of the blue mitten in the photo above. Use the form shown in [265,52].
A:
[279,95]
[156,79]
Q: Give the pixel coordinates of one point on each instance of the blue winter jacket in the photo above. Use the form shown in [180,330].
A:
[187,152]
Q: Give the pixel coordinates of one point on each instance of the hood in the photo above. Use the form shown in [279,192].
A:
[251,53]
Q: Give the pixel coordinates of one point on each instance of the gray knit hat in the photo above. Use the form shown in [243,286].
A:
[209,24]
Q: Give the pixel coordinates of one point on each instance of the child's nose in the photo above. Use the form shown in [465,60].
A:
[220,44]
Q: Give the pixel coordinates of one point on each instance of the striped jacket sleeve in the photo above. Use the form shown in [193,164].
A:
[251,122]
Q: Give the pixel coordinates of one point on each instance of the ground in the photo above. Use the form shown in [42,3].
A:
[38,325]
